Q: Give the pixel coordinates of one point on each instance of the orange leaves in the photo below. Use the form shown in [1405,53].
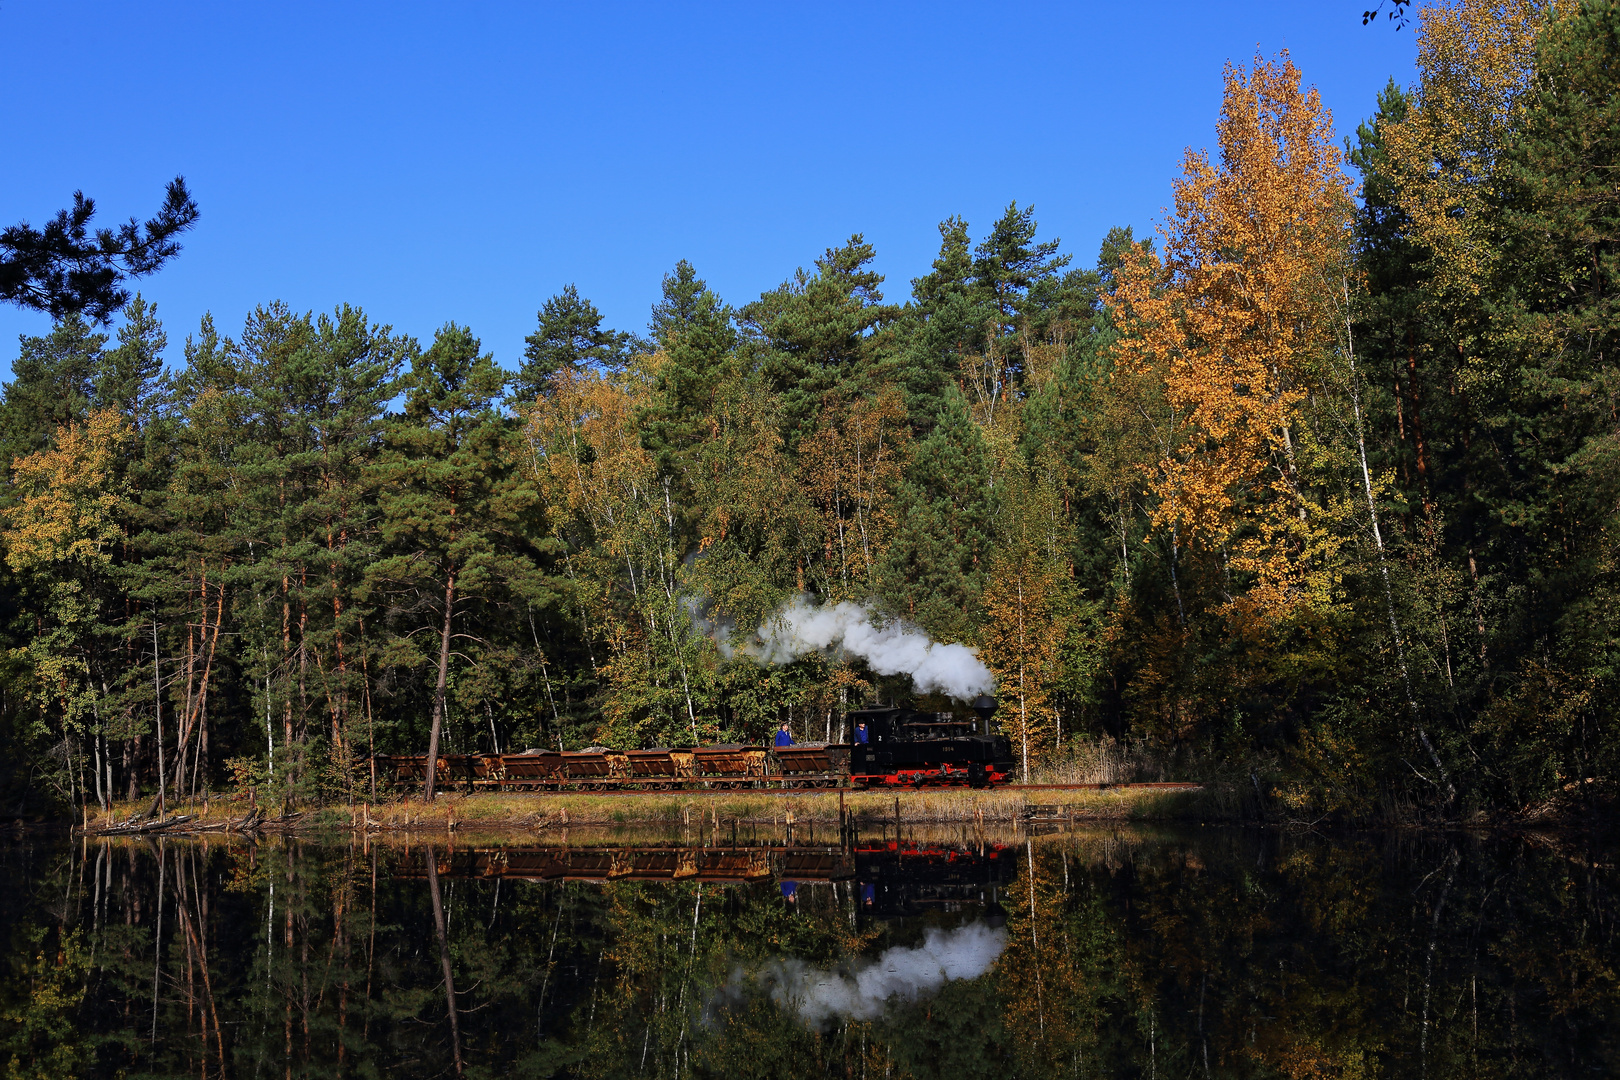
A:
[62,531]
[1021,643]
[69,497]
[1231,322]
[587,452]
[851,468]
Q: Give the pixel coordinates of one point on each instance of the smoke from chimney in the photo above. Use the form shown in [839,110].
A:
[801,628]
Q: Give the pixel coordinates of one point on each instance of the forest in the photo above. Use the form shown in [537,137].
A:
[1314,492]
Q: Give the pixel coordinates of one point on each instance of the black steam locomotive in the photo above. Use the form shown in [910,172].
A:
[905,747]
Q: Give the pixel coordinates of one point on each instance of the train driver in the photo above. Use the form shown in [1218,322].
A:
[860,731]
[784,737]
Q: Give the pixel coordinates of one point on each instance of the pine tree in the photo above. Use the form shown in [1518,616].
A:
[52,384]
[822,333]
[948,322]
[934,571]
[685,300]
[63,271]
[1012,268]
[129,378]
[457,517]
[693,328]
[1556,326]
[570,337]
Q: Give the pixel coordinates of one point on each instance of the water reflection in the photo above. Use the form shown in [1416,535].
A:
[1221,953]
[867,989]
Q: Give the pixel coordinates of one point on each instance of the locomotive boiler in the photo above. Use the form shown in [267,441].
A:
[905,747]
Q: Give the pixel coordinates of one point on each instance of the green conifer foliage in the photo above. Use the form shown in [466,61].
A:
[457,517]
[1013,269]
[935,567]
[570,337]
[693,328]
[947,324]
[1557,318]
[52,383]
[821,332]
[129,378]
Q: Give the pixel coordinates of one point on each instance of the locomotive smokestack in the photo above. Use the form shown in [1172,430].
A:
[985,706]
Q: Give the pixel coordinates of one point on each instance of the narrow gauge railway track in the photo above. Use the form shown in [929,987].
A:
[732,792]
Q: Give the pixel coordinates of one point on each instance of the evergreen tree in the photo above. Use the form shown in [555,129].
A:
[1013,269]
[686,298]
[570,337]
[458,518]
[1556,322]
[934,570]
[129,378]
[948,321]
[694,329]
[822,332]
[52,384]
[63,271]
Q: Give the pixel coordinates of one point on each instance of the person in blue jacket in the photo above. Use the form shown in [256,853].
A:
[783,737]
[860,732]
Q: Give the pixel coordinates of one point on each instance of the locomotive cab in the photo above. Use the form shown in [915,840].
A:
[906,746]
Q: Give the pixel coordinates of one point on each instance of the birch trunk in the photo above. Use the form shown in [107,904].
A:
[438,690]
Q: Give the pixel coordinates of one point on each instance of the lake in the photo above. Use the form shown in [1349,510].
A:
[1186,952]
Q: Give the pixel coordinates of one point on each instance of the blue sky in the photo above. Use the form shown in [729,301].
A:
[465,161]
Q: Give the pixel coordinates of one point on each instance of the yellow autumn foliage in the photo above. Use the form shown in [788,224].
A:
[1225,329]
[851,467]
[69,497]
[1475,60]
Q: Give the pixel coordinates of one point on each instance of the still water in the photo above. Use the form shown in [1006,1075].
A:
[1153,954]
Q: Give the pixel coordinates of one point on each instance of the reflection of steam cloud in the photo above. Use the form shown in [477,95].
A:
[861,993]
[896,648]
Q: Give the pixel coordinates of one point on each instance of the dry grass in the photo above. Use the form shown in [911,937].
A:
[509,810]
[1109,761]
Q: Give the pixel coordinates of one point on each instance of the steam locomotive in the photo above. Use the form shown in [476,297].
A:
[906,747]
[902,748]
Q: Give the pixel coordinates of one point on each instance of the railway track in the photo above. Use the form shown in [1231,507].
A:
[734,792]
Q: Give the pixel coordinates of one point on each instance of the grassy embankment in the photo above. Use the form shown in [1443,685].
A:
[509,810]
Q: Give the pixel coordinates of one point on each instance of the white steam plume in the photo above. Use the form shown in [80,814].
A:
[862,993]
[895,648]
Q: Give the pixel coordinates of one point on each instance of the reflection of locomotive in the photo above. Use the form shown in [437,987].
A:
[902,747]
[899,879]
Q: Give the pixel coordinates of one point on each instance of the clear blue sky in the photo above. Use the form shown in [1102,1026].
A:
[431,162]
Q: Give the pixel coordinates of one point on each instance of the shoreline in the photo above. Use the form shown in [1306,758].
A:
[550,811]
[1037,807]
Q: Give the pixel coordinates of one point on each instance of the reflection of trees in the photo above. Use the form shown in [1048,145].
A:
[1304,958]
[1237,955]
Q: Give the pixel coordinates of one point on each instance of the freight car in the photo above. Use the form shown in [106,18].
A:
[903,747]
